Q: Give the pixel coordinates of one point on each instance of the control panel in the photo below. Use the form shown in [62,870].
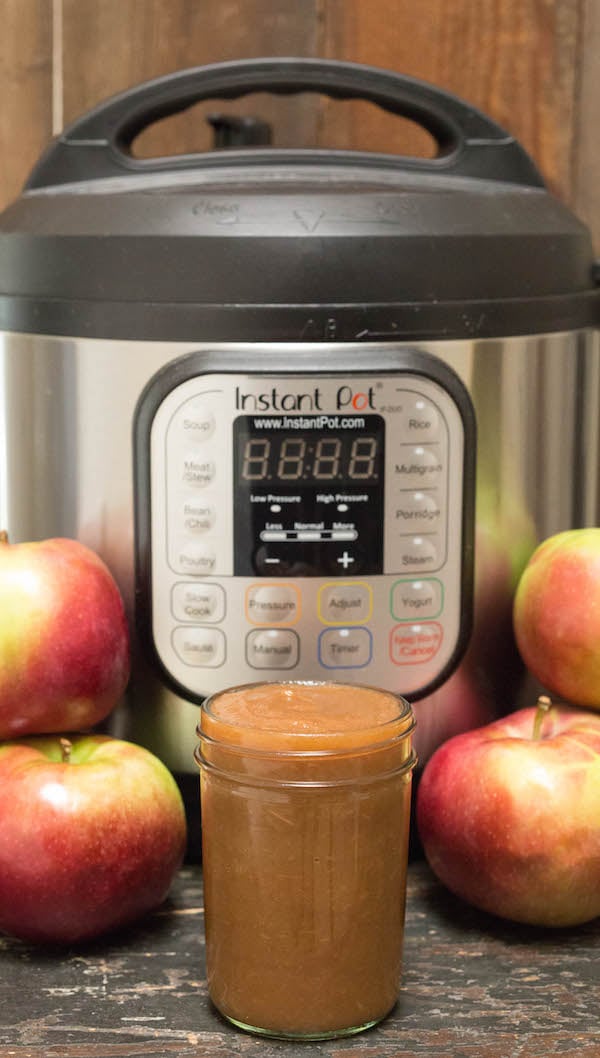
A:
[309,525]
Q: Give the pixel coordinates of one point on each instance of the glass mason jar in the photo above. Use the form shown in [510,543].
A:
[305,801]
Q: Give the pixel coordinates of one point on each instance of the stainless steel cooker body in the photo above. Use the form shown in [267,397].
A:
[130,290]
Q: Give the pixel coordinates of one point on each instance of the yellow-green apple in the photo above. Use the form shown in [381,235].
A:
[64,643]
[92,831]
[509,815]
[557,616]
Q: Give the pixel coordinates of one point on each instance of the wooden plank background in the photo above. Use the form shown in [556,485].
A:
[533,65]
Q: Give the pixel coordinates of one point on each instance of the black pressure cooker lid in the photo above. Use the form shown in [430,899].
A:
[264,243]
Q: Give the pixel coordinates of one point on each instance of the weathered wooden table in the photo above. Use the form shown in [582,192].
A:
[473,988]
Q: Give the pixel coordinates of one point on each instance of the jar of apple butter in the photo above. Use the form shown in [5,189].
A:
[305,800]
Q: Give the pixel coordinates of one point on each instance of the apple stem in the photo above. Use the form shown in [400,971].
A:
[3,536]
[543,707]
[66,746]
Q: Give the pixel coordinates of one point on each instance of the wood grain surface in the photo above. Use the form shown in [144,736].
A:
[473,987]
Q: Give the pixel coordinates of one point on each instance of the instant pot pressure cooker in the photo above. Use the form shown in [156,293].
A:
[272,388]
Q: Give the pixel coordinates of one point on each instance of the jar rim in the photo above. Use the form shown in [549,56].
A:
[293,742]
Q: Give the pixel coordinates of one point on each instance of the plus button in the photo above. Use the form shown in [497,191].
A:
[345,560]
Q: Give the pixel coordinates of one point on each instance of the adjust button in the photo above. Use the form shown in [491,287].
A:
[345,603]
[203,647]
[345,648]
[272,648]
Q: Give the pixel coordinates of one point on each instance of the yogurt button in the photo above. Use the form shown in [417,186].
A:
[414,599]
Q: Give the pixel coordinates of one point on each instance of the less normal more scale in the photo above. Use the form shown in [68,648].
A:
[305,515]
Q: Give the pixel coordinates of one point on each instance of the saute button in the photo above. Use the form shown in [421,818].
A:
[268,604]
[200,646]
[345,648]
[272,648]
[346,603]
[198,602]
[416,598]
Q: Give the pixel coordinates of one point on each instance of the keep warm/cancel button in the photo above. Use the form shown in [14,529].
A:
[415,644]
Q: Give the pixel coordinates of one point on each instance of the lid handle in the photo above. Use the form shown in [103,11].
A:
[98,144]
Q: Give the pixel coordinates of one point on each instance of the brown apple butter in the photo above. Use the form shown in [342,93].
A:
[305,793]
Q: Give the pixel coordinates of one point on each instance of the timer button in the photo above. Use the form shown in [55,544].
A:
[268,604]
[272,648]
[200,646]
[345,648]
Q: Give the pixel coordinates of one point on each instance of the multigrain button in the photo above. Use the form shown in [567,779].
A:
[412,599]
[345,648]
[418,466]
[200,646]
[345,603]
[268,604]
[198,602]
[272,648]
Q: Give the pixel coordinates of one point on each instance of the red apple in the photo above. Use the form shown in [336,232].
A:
[92,830]
[509,816]
[557,616]
[64,644]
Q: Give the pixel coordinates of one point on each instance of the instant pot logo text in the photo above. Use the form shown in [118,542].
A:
[274,400]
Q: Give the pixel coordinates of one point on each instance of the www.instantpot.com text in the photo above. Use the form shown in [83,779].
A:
[311,422]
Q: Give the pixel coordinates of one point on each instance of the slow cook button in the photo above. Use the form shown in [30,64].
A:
[420,419]
[345,648]
[418,465]
[198,602]
[412,599]
[197,472]
[199,559]
[268,604]
[203,647]
[272,648]
[346,603]
[415,644]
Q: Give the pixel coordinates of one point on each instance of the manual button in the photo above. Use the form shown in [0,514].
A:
[272,648]
[348,602]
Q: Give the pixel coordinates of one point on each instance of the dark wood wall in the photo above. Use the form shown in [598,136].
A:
[533,65]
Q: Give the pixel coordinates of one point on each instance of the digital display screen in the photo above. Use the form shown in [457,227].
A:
[279,456]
